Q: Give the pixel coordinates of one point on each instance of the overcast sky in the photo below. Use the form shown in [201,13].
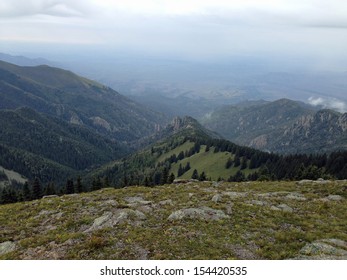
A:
[191,28]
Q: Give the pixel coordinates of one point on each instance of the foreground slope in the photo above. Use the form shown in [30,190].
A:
[193,220]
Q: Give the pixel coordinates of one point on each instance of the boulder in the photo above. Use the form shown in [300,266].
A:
[137,200]
[257,203]
[235,195]
[217,198]
[110,219]
[201,213]
[325,249]
[7,247]
[282,207]
[296,196]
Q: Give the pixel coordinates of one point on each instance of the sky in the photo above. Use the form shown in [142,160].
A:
[201,29]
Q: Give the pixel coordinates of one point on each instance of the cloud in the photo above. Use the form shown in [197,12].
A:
[186,28]
[328,103]
[56,8]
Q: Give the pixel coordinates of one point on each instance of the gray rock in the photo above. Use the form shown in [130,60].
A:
[217,198]
[137,200]
[7,247]
[110,219]
[322,181]
[235,195]
[215,184]
[165,202]
[49,196]
[336,242]
[335,197]
[181,181]
[282,207]
[229,208]
[273,194]
[243,253]
[275,208]
[321,248]
[257,203]
[109,202]
[201,213]
[304,182]
[296,196]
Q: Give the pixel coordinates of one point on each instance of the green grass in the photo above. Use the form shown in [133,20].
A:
[213,164]
[258,230]
[182,148]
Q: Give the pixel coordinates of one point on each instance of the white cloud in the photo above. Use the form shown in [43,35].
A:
[328,103]
[203,28]
[57,8]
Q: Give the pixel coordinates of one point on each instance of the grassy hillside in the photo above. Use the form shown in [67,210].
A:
[210,162]
[195,220]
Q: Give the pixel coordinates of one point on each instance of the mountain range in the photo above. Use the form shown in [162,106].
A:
[282,126]
[56,125]
[76,100]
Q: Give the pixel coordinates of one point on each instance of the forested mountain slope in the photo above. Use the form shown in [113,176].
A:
[76,100]
[282,126]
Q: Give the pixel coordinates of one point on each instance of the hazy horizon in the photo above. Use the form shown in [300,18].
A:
[202,48]
[203,30]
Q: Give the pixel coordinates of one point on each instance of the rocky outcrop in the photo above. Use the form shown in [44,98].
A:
[201,213]
[7,247]
[119,216]
[324,249]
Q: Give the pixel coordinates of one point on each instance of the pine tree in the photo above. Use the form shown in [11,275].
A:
[180,171]
[195,174]
[79,186]
[107,182]
[180,156]
[69,187]
[8,195]
[187,167]
[229,163]
[164,176]
[50,189]
[146,182]
[37,189]
[243,163]
[171,178]
[26,192]
[237,161]
[202,176]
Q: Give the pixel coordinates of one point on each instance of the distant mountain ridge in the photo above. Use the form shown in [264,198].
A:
[55,124]
[283,126]
[24,61]
[77,100]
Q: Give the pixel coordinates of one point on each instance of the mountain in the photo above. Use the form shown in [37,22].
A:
[189,151]
[76,100]
[282,126]
[35,144]
[24,61]
[55,125]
